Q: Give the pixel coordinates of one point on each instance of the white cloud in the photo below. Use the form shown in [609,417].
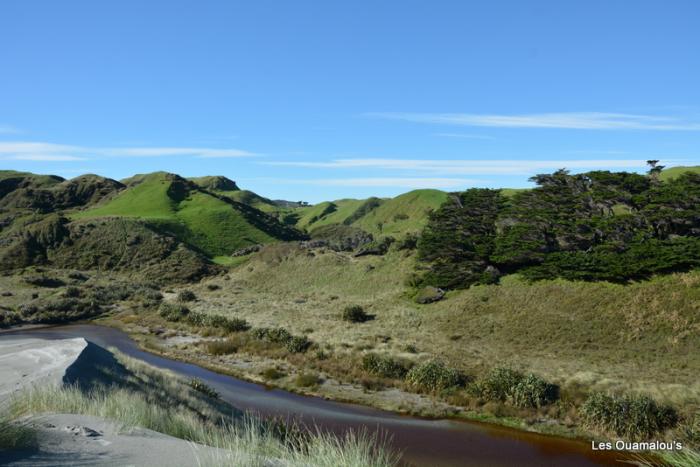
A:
[474,167]
[394,182]
[38,151]
[569,120]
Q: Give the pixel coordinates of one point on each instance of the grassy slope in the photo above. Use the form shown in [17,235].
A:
[206,222]
[674,172]
[344,209]
[415,205]
[251,199]
[639,337]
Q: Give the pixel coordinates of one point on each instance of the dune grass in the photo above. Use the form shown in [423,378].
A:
[15,434]
[158,400]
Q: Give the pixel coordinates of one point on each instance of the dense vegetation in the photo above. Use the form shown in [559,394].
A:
[593,226]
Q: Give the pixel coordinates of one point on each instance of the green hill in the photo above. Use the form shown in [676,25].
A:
[214,224]
[674,172]
[328,212]
[405,213]
[393,216]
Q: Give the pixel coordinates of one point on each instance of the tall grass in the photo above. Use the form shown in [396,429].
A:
[15,434]
[684,458]
[157,400]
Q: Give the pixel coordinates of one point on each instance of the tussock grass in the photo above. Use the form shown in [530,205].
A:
[15,434]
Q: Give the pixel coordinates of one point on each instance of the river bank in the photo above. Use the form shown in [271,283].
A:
[428,442]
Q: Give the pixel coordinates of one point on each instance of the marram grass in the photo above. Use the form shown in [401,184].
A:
[239,439]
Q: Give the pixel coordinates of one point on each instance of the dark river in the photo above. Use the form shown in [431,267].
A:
[422,442]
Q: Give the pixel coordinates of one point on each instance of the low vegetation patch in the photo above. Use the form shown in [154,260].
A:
[186,296]
[272,373]
[356,314]
[516,388]
[435,376]
[222,347]
[15,434]
[293,344]
[177,312]
[631,416]
[200,386]
[306,380]
[385,366]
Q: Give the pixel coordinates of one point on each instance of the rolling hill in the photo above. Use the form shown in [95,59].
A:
[212,223]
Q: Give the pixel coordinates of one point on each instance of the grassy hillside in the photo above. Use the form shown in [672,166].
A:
[394,216]
[212,224]
[405,213]
[328,212]
[673,172]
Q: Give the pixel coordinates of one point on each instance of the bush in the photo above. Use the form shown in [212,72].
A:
[297,344]
[631,416]
[274,335]
[355,314]
[293,344]
[173,311]
[221,347]
[435,376]
[384,366]
[44,281]
[516,388]
[72,292]
[227,324]
[306,380]
[533,391]
[213,287]
[200,386]
[186,296]
[272,373]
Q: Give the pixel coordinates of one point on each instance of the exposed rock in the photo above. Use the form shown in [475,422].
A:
[429,294]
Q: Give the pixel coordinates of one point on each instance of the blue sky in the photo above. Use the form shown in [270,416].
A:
[314,100]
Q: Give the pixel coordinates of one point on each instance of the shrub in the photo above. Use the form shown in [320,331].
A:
[631,416]
[200,386]
[272,373]
[227,324]
[72,292]
[384,366]
[533,391]
[355,314]
[516,388]
[213,287]
[44,281]
[274,335]
[186,296]
[499,384]
[173,311]
[293,344]
[222,347]
[306,380]
[435,376]
[297,344]
[409,242]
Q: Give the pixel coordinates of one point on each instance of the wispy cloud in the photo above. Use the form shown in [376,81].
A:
[39,151]
[473,167]
[565,120]
[394,182]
